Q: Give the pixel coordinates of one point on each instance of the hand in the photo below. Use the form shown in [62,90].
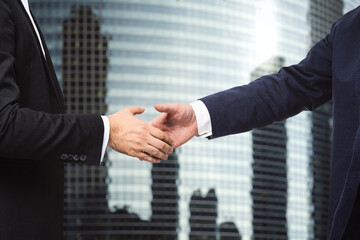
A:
[178,121]
[133,137]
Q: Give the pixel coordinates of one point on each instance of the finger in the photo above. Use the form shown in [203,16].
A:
[136,110]
[154,152]
[157,133]
[146,157]
[158,121]
[167,107]
[161,145]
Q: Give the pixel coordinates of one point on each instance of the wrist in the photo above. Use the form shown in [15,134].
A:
[194,124]
[112,126]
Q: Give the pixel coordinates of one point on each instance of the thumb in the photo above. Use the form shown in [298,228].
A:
[166,107]
[136,110]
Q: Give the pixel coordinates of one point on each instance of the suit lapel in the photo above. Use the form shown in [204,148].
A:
[48,65]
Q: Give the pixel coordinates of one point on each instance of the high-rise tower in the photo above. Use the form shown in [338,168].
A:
[228,231]
[269,191]
[165,200]
[84,69]
[322,15]
[203,215]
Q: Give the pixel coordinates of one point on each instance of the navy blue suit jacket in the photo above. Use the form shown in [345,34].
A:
[330,70]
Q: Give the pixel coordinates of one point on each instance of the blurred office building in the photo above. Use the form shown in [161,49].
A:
[113,54]
[269,191]
[321,21]
[84,67]
[203,216]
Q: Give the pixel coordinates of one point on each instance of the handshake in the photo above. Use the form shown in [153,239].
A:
[154,140]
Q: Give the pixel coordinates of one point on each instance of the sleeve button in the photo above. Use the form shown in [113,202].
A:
[83,158]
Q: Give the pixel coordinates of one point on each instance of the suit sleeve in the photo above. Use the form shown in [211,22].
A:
[29,134]
[275,97]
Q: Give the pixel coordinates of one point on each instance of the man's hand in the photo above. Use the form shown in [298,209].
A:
[133,137]
[178,121]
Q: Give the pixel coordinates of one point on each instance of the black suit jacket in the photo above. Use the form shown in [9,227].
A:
[330,70]
[36,137]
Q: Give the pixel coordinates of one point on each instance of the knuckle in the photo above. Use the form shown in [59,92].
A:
[132,152]
[163,136]
[156,152]
[147,138]
[143,136]
[163,145]
[142,157]
[144,127]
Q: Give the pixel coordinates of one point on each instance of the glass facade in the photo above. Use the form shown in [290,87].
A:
[321,22]
[269,183]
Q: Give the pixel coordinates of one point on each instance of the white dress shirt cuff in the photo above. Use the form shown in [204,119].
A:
[106,136]
[202,118]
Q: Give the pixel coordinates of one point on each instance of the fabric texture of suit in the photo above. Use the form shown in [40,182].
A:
[36,137]
[330,70]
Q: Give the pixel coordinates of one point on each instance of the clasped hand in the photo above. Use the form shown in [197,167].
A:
[178,121]
[133,137]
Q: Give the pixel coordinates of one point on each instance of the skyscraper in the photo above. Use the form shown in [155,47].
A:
[269,192]
[203,219]
[164,205]
[229,231]
[321,22]
[84,69]
[203,215]
[84,62]
[164,218]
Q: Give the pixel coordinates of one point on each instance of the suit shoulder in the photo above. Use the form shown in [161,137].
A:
[4,3]
[346,26]
[350,18]
[5,8]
